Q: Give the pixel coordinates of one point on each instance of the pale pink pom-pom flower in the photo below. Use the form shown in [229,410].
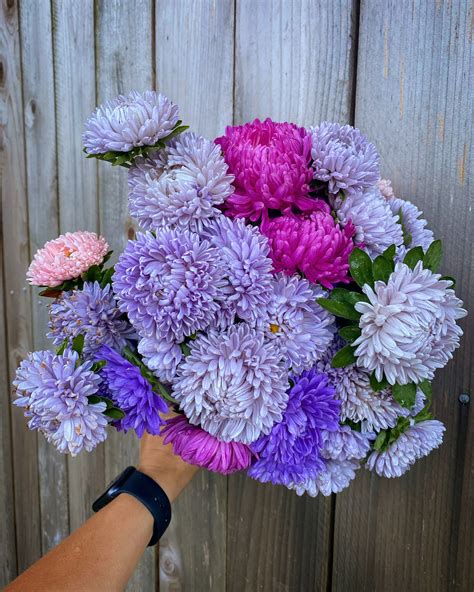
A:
[66,258]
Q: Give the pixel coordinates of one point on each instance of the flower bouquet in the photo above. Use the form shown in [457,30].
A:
[278,297]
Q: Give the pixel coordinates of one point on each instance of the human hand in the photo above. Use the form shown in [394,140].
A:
[158,461]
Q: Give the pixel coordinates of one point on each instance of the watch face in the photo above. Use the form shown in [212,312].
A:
[113,489]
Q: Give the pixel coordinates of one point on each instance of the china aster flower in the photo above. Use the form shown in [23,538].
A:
[301,329]
[344,158]
[197,447]
[413,223]
[66,257]
[316,246]
[244,252]
[137,119]
[345,444]
[161,356]
[408,326]
[291,452]
[180,186]
[416,442]
[233,384]
[54,391]
[335,477]
[376,227]
[168,284]
[271,165]
[132,393]
[386,189]
[92,312]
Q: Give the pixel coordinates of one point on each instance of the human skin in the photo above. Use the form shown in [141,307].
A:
[102,554]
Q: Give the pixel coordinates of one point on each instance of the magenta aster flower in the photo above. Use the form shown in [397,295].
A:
[66,258]
[197,447]
[315,246]
[271,164]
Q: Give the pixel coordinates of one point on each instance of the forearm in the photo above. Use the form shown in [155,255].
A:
[100,555]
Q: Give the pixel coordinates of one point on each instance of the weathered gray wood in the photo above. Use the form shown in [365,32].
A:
[194,68]
[74,87]
[293,62]
[124,46]
[17,295]
[414,99]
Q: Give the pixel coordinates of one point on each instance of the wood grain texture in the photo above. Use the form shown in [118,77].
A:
[17,295]
[75,98]
[198,75]
[124,46]
[414,99]
[276,540]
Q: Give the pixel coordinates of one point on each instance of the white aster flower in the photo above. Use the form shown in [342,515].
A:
[336,477]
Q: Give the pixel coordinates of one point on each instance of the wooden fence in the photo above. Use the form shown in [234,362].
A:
[401,70]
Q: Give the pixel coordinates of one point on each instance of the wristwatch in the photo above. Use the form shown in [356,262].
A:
[144,489]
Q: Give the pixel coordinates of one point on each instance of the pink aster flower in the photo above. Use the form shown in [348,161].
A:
[315,246]
[271,164]
[66,258]
[198,447]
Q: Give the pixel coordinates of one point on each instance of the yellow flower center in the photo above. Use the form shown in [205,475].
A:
[274,328]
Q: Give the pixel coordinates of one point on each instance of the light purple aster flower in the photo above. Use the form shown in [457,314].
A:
[376,226]
[233,384]
[408,326]
[92,312]
[414,225]
[335,477]
[161,356]
[132,393]
[169,284]
[344,158]
[248,269]
[137,119]
[291,451]
[416,442]
[345,444]
[54,391]
[300,328]
[180,186]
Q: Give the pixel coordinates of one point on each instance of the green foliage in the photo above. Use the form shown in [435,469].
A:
[340,309]
[407,237]
[389,253]
[344,357]
[433,256]
[378,385]
[78,344]
[405,394]
[350,333]
[360,265]
[413,256]
[147,374]
[382,268]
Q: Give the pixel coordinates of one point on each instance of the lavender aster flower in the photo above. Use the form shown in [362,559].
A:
[54,391]
[161,356]
[344,158]
[414,443]
[335,477]
[345,444]
[168,284]
[408,326]
[291,451]
[138,119]
[92,312]
[376,226]
[233,384]
[132,393]
[300,328]
[413,223]
[179,187]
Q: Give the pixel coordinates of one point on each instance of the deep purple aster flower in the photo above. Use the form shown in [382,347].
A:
[169,285]
[291,452]
[92,312]
[132,393]
[344,158]
[198,447]
[54,391]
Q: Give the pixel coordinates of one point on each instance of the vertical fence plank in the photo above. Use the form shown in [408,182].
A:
[74,87]
[17,295]
[194,67]
[124,46]
[414,99]
[43,218]
[293,62]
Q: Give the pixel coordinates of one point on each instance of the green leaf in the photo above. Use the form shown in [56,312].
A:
[114,413]
[340,309]
[433,256]
[93,274]
[389,253]
[97,366]
[377,385]
[107,277]
[344,357]
[78,343]
[405,394]
[427,389]
[185,348]
[448,278]
[344,295]
[413,256]
[361,267]
[62,348]
[382,268]
[380,440]
[407,237]
[350,333]
[94,399]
